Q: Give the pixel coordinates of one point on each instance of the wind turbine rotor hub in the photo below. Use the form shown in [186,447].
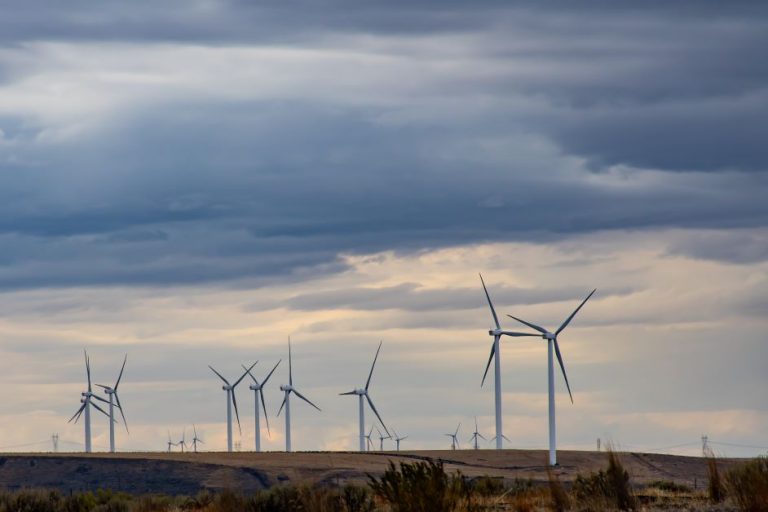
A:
[286,387]
[495,332]
[549,336]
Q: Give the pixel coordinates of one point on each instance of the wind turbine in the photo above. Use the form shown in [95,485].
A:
[231,400]
[398,439]
[476,434]
[258,390]
[86,400]
[382,437]
[553,345]
[183,442]
[195,439]
[288,389]
[455,438]
[170,443]
[497,333]
[363,393]
[369,443]
[113,397]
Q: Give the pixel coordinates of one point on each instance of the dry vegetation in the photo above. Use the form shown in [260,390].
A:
[427,486]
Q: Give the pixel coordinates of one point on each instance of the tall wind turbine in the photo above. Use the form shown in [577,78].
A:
[258,390]
[87,401]
[183,442]
[369,443]
[363,393]
[475,435]
[170,443]
[553,345]
[288,389]
[195,439]
[382,437]
[113,397]
[231,400]
[497,333]
[398,439]
[455,438]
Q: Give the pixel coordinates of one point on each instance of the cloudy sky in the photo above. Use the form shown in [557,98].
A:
[191,182]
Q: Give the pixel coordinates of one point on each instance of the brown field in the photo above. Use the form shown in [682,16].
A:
[188,473]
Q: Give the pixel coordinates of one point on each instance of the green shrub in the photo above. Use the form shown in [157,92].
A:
[560,500]
[611,484]
[669,486]
[748,485]
[357,499]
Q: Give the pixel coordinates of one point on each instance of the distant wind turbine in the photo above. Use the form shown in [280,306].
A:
[363,393]
[382,437]
[113,397]
[369,443]
[288,389]
[183,442]
[195,439]
[455,438]
[170,443]
[497,333]
[87,401]
[231,400]
[398,439]
[476,435]
[258,391]
[553,345]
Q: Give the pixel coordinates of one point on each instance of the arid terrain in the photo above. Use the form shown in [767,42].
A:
[187,473]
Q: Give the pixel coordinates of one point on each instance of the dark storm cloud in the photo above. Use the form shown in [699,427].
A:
[472,143]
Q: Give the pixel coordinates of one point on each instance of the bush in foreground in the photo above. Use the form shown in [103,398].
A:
[748,485]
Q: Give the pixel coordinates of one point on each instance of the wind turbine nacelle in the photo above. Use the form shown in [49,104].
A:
[286,387]
[254,387]
[549,336]
[495,332]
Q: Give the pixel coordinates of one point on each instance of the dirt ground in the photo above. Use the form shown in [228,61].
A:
[187,473]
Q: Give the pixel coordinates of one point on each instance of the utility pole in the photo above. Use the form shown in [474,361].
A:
[55,439]
[598,444]
[705,445]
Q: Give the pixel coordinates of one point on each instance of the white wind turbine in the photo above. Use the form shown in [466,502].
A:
[258,390]
[475,435]
[398,439]
[363,393]
[170,443]
[382,437]
[288,389]
[87,401]
[183,442]
[455,438]
[369,442]
[113,397]
[231,400]
[195,439]
[553,345]
[497,333]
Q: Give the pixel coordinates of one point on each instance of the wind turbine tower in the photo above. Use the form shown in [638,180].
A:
[362,393]
[382,437]
[288,389]
[553,346]
[258,391]
[195,439]
[497,333]
[476,435]
[113,397]
[398,439]
[231,400]
[86,399]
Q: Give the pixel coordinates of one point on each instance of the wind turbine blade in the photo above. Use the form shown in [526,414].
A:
[353,392]
[518,334]
[490,358]
[121,372]
[119,406]
[194,430]
[220,375]
[100,399]
[493,311]
[505,438]
[281,406]
[270,373]
[305,399]
[290,366]
[370,374]
[264,407]
[77,414]
[373,407]
[101,386]
[562,367]
[100,409]
[481,436]
[237,414]
[247,371]
[457,429]
[568,320]
[529,324]
[88,368]
[475,424]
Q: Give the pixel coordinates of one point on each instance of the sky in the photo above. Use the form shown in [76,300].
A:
[192,182]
